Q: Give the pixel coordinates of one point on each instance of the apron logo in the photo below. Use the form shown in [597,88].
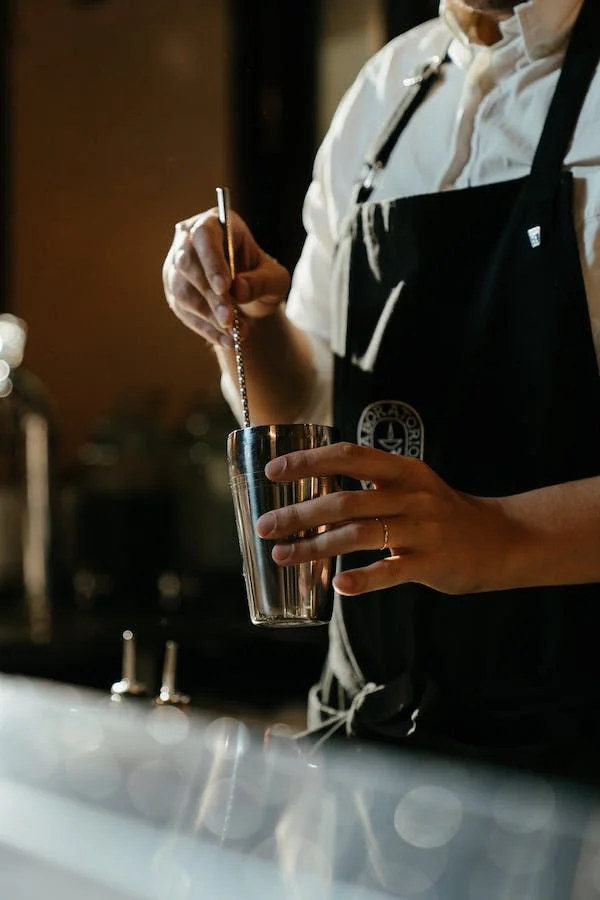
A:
[391,426]
[535,236]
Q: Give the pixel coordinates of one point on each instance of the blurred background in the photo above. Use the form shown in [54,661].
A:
[120,117]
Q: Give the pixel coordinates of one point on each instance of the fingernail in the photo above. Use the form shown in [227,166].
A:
[223,314]
[242,290]
[265,524]
[275,468]
[219,285]
[344,583]
[281,552]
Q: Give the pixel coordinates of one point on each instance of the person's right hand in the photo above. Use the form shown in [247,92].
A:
[198,285]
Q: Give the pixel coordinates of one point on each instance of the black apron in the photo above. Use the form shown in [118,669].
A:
[466,341]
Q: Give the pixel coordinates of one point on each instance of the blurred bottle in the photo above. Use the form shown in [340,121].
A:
[28,559]
[125,536]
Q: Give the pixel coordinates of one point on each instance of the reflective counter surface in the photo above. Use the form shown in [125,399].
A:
[108,801]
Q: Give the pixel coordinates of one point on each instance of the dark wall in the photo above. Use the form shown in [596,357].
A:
[400,15]
[274,48]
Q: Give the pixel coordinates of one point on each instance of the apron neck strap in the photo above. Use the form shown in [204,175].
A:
[417,88]
[580,64]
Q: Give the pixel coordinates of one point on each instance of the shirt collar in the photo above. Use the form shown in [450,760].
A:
[544,25]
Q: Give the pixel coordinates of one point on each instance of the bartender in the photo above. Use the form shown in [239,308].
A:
[445,315]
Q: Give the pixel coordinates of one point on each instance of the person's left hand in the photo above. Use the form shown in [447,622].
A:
[437,536]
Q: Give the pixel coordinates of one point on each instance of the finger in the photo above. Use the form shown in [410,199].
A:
[188,265]
[183,294]
[169,266]
[268,282]
[185,298]
[207,239]
[363,534]
[333,509]
[392,570]
[344,458]
[202,327]
[185,260]
[189,301]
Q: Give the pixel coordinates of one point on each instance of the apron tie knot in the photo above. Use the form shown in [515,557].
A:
[387,710]
[332,720]
[358,702]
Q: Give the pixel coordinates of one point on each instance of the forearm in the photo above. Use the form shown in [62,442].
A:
[560,528]
[278,366]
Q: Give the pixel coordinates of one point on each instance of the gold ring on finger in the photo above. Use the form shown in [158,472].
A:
[386,533]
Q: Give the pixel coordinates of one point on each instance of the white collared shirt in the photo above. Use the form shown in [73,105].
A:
[480,125]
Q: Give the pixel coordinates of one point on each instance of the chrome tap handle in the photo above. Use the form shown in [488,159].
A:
[168,694]
[128,685]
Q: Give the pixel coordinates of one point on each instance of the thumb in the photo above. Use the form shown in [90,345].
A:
[269,282]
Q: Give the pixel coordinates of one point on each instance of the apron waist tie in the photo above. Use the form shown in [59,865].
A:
[376,710]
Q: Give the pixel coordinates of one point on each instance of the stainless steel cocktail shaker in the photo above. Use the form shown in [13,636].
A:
[278,595]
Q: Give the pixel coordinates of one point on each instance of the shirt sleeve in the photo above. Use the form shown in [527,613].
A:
[337,165]
[308,304]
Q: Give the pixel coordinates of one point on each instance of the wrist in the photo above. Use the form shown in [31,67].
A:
[516,552]
[534,555]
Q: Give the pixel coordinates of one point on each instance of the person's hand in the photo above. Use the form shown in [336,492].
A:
[198,285]
[428,532]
